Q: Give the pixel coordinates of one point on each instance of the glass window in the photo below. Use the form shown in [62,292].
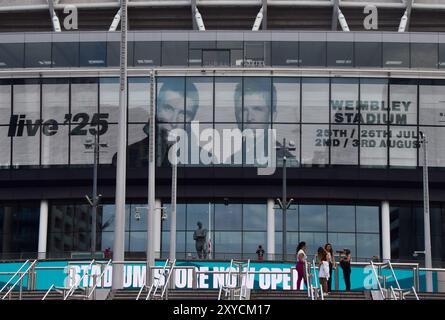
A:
[79,154]
[55,100]
[251,241]
[216,58]
[254,217]
[55,144]
[82,218]
[403,146]
[199,99]
[343,241]
[313,240]
[285,53]
[180,217]
[106,214]
[175,53]
[5,146]
[396,55]
[257,102]
[93,54]
[424,55]
[227,245]
[286,100]
[368,218]
[108,143]
[236,58]
[340,54]
[315,100]
[138,99]
[292,240]
[432,103]
[12,55]
[373,101]
[368,246]
[5,104]
[228,217]
[170,101]
[441,55]
[138,217]
[436,147]
[38,55]
[113,54]
[403,103]
[198,212]
[341,218]
[65,54]
[255,53]
[312,54]
[290,132]
[84,101]
[228,91]
[138,241]
[231,148]
[312,217]
[147,53]
[26,141]
[195,57]
[368,54]
[109,99]
[315,145]
[137,153]
[180,245]
[291,219]
[344,144]
[373,145]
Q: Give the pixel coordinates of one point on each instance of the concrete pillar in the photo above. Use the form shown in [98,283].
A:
[157,228]
[43,229]
[270,248]
[386,231]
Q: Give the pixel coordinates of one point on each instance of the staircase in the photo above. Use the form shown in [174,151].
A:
[427,296]
[39,294]
[177,294]
[302,295]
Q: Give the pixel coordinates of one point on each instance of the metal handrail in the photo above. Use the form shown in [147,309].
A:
[75,285]
[167,281]
[19,280]
[15,274]
[47,292]
[157,280]
[394,295]
[394,274]
[100,277]
[317,281]
[245,286]
[378,279]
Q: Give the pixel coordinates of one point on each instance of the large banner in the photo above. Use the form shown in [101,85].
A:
[271,276]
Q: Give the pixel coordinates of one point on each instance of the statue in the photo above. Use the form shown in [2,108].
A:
[200,237]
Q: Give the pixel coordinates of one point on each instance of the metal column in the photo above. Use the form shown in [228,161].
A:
[43,229]
[386,231]
[119,229]
[270,229]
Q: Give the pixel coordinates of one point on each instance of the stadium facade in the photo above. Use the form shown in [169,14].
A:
[353,103]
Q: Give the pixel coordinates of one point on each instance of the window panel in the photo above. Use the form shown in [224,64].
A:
[227,245]
[138,217]
[5,104]
[175,53]
[180,245]
[55,144]
[312,54]
[79,154]
[254,217]
[113,54]
[199,99]
[285,53]
[290,132]
[373,145]
[374,101]
[216,58]
[396,55]
[201,151]
[257,102]
[286,100]
[197,212]
[341,218]
[137,152]
[93,54]
[228,217]
[195,57]
[109,99]
[251,241]
[231,136]
[432,104]
[106,214]
[291,219]
[313,217]
[292,240]
[315,100]
[368,54]
[441,55]
[138,99]
[38,55]
[108,144]
[315,145]
[256,53]
[340,54]
[228,92]
[343,241]
[403,103]
[368,219]
[313,240]
[5,146]
[403,146]
[180,216]
[84,99]
[55,100]
[65,54]
[147,53]
[12,55]
[368,246]
[424,55]
[436,147]
[138,241]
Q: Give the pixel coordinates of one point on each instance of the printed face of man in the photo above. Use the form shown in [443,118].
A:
[171,110]
[256,112]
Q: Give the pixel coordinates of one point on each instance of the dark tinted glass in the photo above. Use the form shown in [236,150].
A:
[424,55]
[65,54]
[442,55]
[368,54]
[202,44]
[340,54]
[312,54]
[11,55]
[216,57]
[174,53]
[256,53]
[147,53]
[195,57]
[395,55]
[93,54]
[284,53]
[38,55]
[113,54]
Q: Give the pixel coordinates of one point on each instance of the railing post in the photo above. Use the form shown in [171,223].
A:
[194,278]
[20,289]
[336,280]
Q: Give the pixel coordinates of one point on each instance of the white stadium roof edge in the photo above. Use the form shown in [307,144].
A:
[30,5]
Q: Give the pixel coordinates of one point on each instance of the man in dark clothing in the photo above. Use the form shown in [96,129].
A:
[200,237]
[260,253]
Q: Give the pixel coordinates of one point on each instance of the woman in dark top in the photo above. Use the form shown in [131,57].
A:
[345,264]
